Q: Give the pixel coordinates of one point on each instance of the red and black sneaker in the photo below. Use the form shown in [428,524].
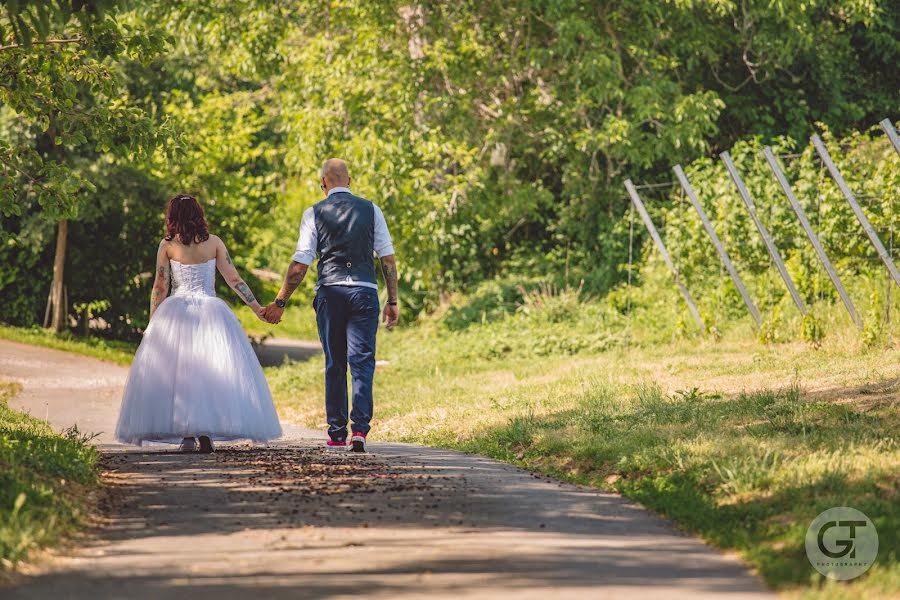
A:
[337,443]
[358,442]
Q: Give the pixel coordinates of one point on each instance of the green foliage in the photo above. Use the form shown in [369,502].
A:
[62,98]
[813,330]
[43,482]
[495,135]
[770,332]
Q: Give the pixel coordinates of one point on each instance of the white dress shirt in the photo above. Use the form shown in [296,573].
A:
[308,243]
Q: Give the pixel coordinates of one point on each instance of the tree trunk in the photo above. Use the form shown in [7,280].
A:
[58,321]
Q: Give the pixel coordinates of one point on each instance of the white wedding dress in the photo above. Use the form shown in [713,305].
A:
[195,372]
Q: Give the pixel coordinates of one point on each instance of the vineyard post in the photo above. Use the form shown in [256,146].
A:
[813,238]
[891,133]
[645,217]
[767,238]
[860,215]
[685,184]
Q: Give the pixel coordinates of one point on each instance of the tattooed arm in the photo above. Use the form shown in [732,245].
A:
[391,280]
[226,267]
[295,274]
[161,279]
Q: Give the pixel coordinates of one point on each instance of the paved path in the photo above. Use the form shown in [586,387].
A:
[291,520]
[275,351]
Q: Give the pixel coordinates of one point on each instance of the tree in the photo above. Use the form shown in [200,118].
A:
[59,86]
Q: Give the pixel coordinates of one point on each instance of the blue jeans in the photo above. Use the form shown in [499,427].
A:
[348,321]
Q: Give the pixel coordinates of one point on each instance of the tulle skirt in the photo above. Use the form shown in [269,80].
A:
[195,374]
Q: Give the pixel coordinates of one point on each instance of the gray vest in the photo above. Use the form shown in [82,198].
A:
[345,227]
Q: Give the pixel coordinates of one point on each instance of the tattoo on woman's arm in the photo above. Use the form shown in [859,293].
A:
[244,292]
[161,283]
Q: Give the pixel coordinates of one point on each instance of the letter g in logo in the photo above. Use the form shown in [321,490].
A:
[846,545]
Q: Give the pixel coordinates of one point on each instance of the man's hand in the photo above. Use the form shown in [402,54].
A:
[273,313]
[391,315]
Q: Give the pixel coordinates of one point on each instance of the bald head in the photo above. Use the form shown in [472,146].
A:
[335,174]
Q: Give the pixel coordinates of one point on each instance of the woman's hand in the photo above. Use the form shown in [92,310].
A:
[260,312]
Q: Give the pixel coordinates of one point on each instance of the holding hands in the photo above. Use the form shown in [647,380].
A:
[260,312]
[272,313]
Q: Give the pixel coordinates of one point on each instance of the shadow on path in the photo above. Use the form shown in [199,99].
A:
[292,520]
[297,521]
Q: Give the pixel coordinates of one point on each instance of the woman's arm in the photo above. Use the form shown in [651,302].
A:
[226,267]
[161,280]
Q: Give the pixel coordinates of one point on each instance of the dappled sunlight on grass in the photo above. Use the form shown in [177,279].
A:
[742,443]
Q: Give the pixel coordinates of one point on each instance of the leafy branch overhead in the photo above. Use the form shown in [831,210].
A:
[61,93]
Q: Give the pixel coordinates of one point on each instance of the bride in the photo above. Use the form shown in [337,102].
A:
[195,375]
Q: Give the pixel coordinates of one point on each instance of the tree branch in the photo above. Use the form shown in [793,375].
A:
[74,40]
[34,180]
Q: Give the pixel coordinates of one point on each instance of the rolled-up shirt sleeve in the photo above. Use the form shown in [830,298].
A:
[384,246]
[306,244]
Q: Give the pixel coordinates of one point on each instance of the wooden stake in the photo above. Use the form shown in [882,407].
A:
[632,192]
[891,133]
[860,215]
[767,238]
[726,260]
[813,238]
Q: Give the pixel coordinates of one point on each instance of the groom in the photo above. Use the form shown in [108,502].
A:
[344,231]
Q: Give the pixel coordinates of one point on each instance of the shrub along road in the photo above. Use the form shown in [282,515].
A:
[292,520]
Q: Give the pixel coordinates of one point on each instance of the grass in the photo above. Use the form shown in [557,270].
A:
[113,351]
[45,480]
[739,442]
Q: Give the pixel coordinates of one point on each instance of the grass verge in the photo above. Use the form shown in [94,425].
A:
[741,443]
[44,480]
[113,351]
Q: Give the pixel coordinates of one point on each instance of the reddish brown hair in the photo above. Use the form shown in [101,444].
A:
[185,221]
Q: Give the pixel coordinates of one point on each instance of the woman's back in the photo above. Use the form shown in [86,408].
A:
[193,254]
[195,373]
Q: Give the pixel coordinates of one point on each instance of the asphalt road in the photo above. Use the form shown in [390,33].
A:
[293,520]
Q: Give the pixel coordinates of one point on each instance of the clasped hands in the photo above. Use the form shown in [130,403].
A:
[270,313]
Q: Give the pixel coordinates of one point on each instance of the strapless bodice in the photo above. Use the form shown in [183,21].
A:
[194,280]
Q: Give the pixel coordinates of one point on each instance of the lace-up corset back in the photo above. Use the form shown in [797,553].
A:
[193,280]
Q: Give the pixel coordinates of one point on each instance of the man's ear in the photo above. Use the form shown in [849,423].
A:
[349,181]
